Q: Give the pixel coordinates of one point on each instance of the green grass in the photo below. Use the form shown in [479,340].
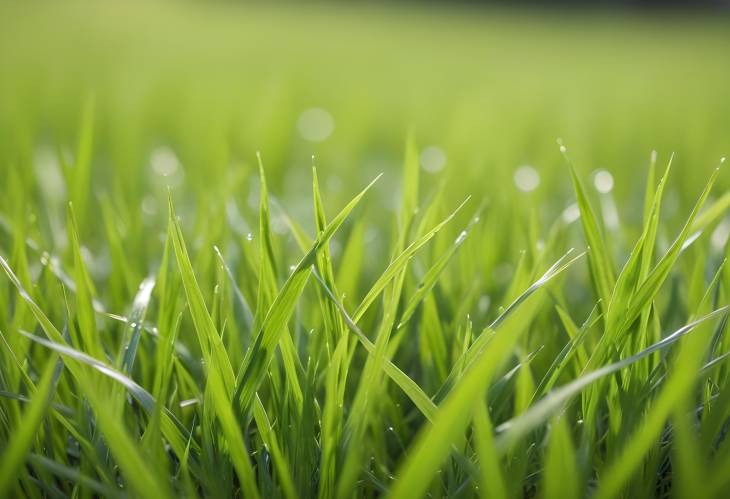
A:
[191,303]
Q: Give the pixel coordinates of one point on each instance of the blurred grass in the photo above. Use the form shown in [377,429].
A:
[493,89]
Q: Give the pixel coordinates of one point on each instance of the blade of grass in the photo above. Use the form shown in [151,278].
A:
[73,475]
[21,441]
[512,431]
[560,472]
[214,352]
[134,326]
[256,361]
[398,263]
[602,270]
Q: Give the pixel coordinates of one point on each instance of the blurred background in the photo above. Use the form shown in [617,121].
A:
[184,94]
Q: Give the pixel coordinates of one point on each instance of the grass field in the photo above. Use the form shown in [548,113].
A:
[357,251]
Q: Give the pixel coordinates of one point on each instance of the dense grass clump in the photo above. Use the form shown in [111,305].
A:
[239,375]
[180,316]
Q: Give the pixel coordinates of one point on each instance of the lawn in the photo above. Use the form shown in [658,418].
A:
[363,251]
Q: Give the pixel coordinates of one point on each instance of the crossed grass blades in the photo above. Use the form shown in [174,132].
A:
[237,376]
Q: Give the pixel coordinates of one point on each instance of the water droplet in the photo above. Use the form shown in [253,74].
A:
[484,302]
[335,248]
[461,237]
[433,159]
[720,235]
[249,237]
[526,178]
[571,213]
[279,225]
[315,124]
[603,181]
[149,205]
[164,162]
[48,173]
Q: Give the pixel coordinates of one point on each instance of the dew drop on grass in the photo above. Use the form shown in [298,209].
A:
[371,235]
[149,206]
[720,235]
[571,213]
[603,181]
[167,167]
[253,195]
[461,237]
[484,302]
[86,255]
[335,248]
[164,162]
[249,237]
[526,178]
[279,225]
[433,159]
[315,124]
[48,173]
